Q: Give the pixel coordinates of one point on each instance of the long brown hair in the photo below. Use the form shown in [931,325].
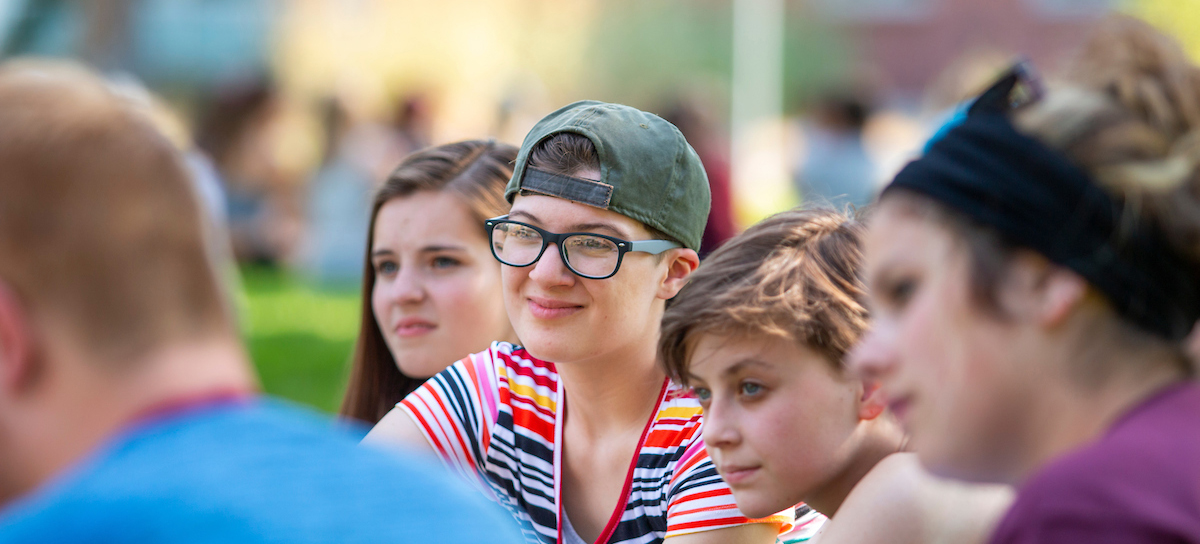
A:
[476,172]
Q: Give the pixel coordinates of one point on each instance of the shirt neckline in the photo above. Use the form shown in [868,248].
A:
[623,500]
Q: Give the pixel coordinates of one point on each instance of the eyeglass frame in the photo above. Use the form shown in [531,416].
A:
[653,247]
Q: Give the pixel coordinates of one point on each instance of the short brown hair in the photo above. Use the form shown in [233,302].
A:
[100,229]
[475,171]
[795,275]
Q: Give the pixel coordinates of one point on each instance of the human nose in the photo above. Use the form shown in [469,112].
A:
[874,357]
[408,287]
[720,428]
[550,270]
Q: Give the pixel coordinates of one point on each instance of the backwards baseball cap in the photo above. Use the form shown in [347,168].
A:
[648,172]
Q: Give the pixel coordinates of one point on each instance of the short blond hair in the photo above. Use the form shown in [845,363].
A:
[100,229]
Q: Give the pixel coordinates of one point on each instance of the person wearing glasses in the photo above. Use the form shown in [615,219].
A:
[1033,279]
[578,432]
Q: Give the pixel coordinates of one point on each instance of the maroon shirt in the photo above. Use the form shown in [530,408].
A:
[1138,483]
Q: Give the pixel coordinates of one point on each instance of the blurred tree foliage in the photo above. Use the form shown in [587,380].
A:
[641,52]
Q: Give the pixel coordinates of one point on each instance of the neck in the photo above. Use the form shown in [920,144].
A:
[614,392]
[1070,414]
[84,404]
[880,437]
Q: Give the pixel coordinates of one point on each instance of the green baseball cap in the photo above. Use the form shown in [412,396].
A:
[648,172]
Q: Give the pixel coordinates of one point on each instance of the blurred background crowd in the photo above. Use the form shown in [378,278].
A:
[292,111]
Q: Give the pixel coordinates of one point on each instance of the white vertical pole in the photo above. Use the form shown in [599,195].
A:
[759,163]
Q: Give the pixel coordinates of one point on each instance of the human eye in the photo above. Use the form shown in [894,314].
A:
[901,291]
[592,245]
[386,268]
[750,389]
[702,394]
[444,262]
[521,232]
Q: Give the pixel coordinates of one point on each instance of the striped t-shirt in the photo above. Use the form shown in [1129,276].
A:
[494,417]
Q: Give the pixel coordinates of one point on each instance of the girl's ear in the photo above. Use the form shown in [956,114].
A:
[1039,291]
[681,262]
[872,403]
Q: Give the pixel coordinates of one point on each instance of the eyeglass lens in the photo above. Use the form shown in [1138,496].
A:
[519,245]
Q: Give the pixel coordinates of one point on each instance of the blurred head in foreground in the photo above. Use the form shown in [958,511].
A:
[103,269]
[122,381]
[431,289]
[1033,277]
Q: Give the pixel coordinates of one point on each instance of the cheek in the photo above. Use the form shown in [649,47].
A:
[801,444]
[464,301]
[379,303]
[780,433]
[932,368]
[923,341]
[810,432]
[511,280]
[961,376]
[627,301]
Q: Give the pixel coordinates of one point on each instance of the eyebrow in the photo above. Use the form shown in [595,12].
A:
[598,226]
[435,249]
[742,365]
[528,216]
[426,249]
[737,367]
[578,227]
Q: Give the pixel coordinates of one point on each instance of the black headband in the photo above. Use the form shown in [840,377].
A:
[1036,198]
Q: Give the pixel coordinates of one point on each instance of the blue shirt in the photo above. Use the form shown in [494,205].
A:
[252,471]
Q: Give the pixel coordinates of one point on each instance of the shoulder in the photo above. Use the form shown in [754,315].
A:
[263,467]
[1149,453]
[898,501]
[1140,476]
[489,372]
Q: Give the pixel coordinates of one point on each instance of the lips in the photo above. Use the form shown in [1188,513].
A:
[735,475]
[548,308]
[412,327]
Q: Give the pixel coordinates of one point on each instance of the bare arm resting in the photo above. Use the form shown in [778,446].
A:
[397,431]
[751,533]
[898,503]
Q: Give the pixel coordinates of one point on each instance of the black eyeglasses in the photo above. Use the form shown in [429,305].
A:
[588,255]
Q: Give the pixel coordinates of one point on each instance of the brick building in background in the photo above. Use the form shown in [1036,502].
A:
[908,46]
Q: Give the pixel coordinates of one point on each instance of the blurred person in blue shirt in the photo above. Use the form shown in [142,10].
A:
[836,168]
[128,409]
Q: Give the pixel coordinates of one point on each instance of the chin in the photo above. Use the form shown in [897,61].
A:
[547,349]
[553,345]
[755,506]
[940,460]
[557,356]
[422,369]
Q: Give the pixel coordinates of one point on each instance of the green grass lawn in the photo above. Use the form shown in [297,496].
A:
[300,336]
